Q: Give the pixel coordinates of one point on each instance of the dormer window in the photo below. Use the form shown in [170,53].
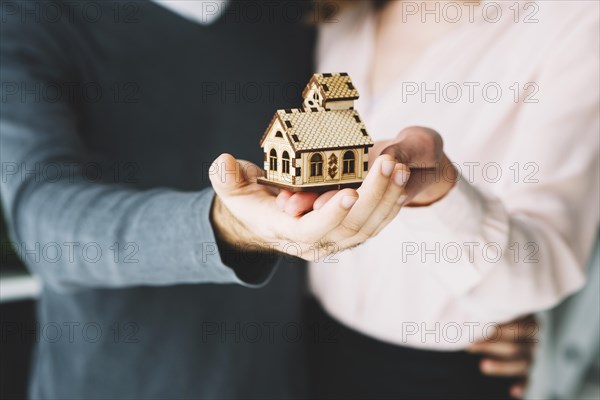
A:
[313,98]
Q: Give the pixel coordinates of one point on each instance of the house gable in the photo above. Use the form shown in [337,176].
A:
[277,132]
[275,127]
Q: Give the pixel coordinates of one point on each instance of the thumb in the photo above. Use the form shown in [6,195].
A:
[226,175]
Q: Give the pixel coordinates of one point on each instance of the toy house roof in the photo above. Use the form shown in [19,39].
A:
[321,130]
[337,86]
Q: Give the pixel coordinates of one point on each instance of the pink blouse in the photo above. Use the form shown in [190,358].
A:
[517,103]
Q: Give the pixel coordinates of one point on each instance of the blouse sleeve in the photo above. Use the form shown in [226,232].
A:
[538,232]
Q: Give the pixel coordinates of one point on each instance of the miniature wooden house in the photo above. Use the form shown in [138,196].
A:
[321,146]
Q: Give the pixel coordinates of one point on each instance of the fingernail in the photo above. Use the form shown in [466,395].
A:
[401,177]
[401,200]
[387,167]
[348,201]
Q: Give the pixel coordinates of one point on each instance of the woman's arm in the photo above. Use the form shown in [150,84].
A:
[543,230]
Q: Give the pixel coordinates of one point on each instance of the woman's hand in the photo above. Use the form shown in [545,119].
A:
[510,353]
[246,214]
[422,150]
[432,175]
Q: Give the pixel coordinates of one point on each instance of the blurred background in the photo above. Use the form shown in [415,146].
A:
[18,290]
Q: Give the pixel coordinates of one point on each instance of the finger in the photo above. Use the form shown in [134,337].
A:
[390,204]
[372,191]
[226,176]
[502,349]
[492,367]
[375,151]
[250,173]
[517,391]
[324,198]
[300,203]
[249,170]
[313,227]
[522,330]
[282,199]
[400,202]
[422,179]
[417,146]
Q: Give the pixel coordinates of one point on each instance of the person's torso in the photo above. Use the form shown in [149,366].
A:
[473,85]
[157,98]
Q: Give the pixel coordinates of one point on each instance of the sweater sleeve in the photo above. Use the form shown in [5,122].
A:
[539,233]
[74,230]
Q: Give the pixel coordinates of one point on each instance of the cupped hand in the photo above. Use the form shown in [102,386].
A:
[432,175]
[246,213]
[422,150]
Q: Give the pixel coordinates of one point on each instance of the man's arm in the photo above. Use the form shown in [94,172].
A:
[163,237]
[109,234]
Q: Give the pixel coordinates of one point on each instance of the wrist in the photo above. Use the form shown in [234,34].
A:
[236,248]
[228,230]
[448,177]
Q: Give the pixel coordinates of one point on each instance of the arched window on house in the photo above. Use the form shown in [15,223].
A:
[285,162]
[273,160]
[316,165]
[349,163]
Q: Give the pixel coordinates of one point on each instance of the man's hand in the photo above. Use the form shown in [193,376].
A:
[246,214]
[510,353]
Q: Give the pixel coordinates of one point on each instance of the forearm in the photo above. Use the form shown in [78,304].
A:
[513,262]
[111,236]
